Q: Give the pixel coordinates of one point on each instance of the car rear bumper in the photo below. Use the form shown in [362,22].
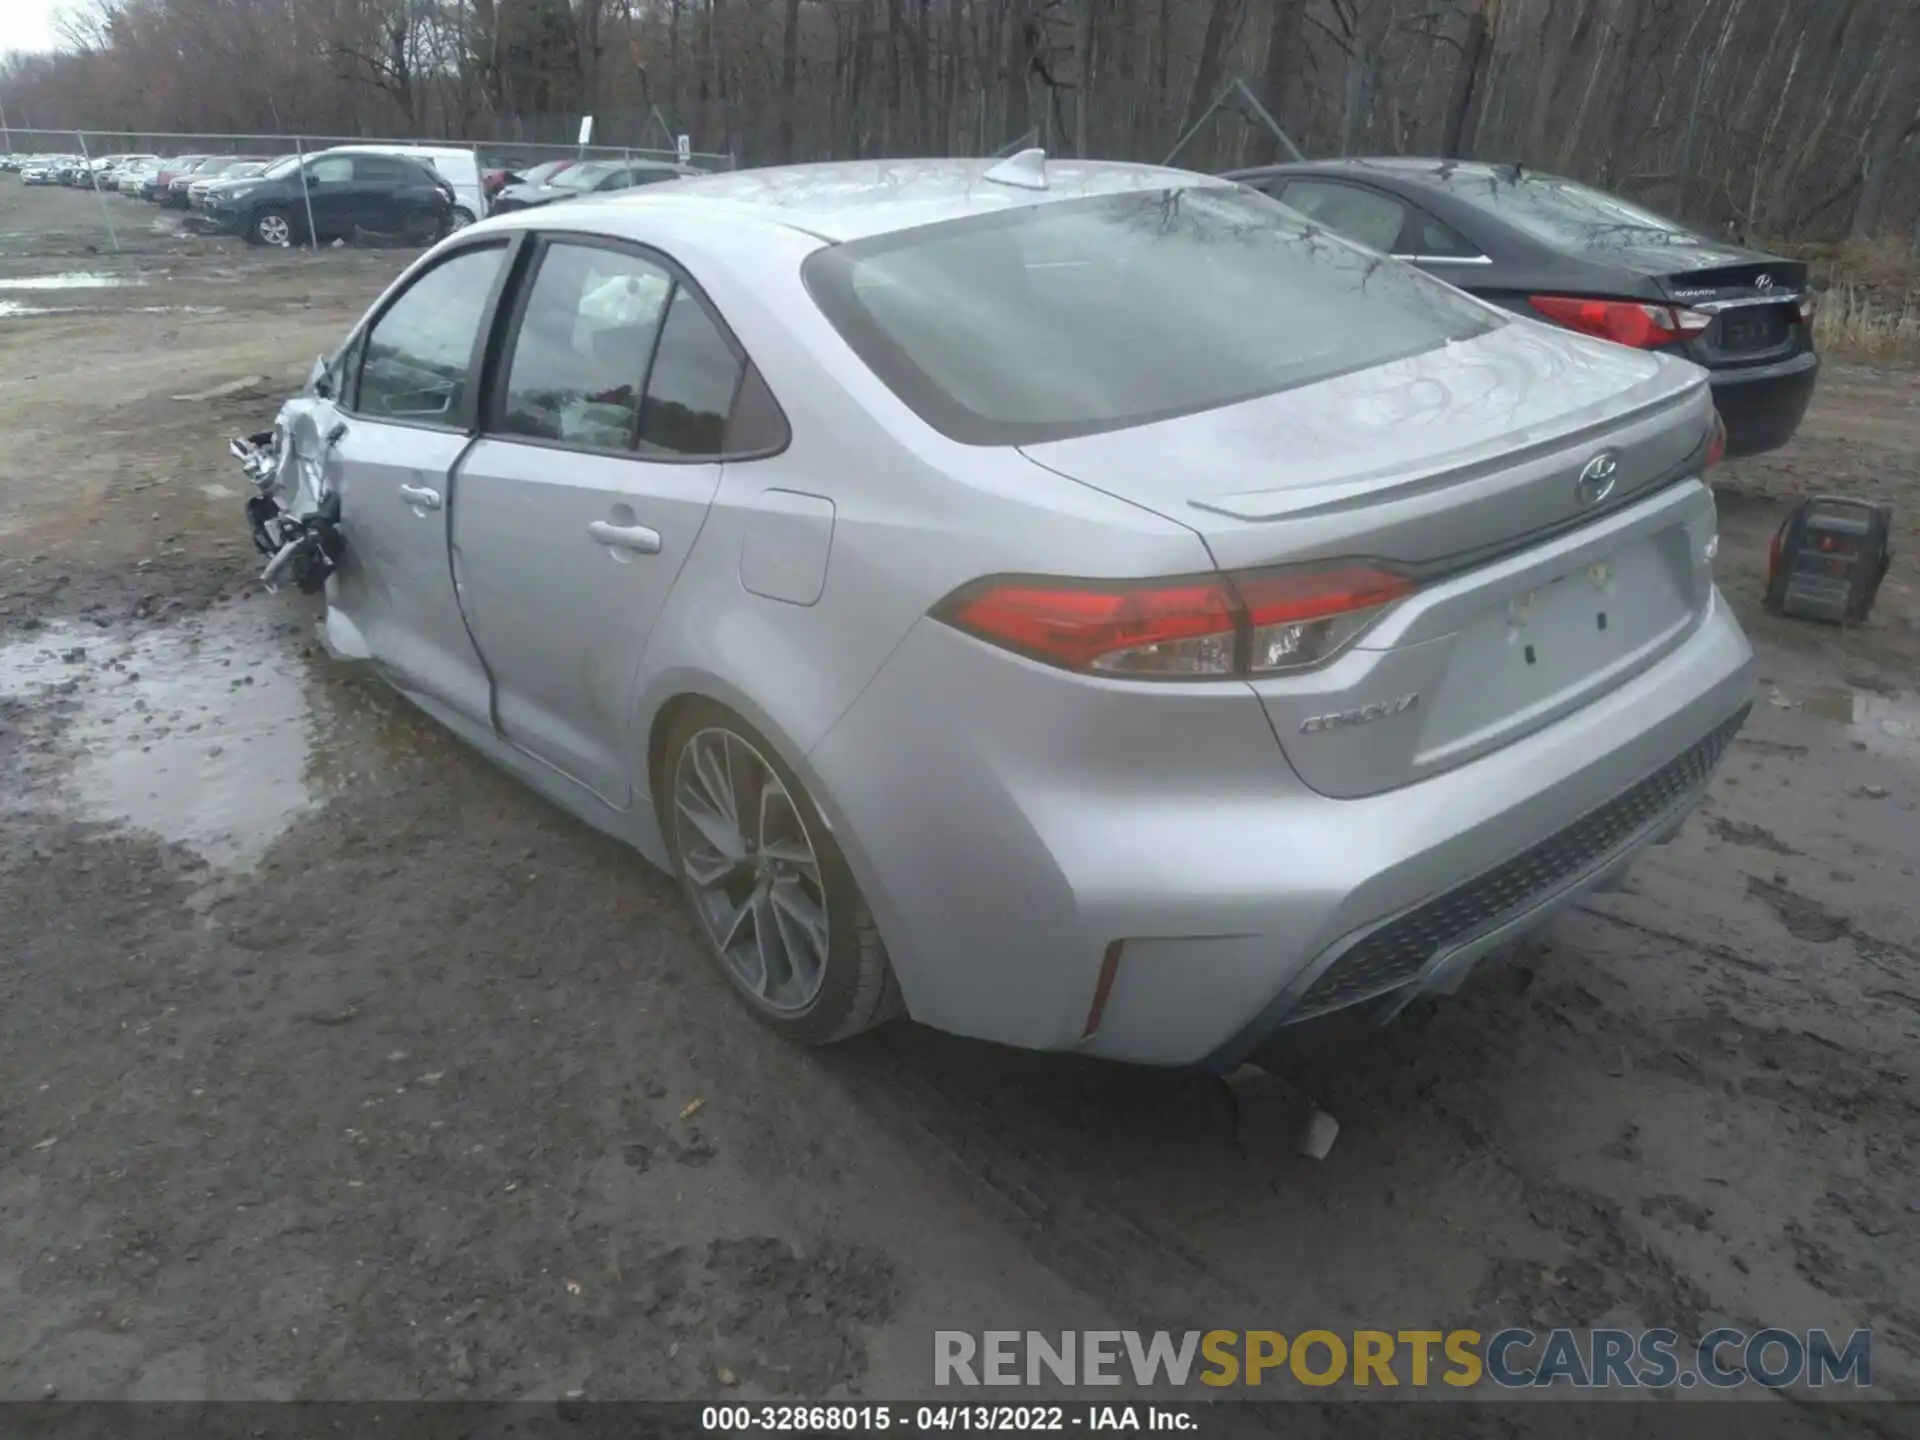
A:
[1763,405]
[1055,864]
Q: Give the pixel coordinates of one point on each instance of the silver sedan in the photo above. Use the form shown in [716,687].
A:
[1085,606]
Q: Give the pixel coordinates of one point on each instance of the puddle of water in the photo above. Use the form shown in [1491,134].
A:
[1889,724]
[73,280]
[1885,724]
[199,733]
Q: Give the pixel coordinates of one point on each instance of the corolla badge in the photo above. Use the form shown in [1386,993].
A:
[1364,715]
[1597,478]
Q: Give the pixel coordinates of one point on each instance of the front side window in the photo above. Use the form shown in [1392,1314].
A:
[1080,316]
[419,353]
[331,170]
[580,355]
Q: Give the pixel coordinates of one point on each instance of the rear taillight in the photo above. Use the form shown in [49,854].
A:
[1625,322]
[1804,308]
[1716,441]
[1263,622]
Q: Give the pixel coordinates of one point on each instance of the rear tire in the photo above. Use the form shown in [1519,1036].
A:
[424,228]
[270,226]
[773,898]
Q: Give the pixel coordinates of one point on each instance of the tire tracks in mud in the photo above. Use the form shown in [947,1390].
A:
[1610,1262]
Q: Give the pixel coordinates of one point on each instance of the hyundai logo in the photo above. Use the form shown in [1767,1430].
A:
[1763,283]
[1597,478]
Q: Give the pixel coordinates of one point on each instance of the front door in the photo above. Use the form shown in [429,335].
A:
[598,460]
[409,415]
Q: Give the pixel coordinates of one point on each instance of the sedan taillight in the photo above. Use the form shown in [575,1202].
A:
[1263,622]
[1625,322]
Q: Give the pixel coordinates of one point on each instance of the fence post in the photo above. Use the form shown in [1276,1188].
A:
[306,196]
[93,184]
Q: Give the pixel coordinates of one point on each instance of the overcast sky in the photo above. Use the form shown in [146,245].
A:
[28,24]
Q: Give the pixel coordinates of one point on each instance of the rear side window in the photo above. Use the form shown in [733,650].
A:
[691,387]
[1431,239]
[1080,316]
[1365,217]
[380,168]
[581,352]
[419,353]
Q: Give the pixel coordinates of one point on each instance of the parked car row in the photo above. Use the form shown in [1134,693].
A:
[417,192]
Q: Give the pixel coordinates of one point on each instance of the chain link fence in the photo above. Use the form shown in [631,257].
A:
[105,213]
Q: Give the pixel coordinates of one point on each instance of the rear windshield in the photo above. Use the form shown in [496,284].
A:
[1081,316]
[584,176]
[1562,212]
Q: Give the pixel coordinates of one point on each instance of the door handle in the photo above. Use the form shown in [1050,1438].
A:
[419,495]
[637,538]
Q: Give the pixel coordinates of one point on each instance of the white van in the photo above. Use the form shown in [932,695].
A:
[455,166]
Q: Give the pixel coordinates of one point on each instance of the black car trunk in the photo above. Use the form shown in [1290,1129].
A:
[1754,301]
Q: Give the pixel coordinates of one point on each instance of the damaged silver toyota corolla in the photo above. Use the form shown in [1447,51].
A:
[1084,605]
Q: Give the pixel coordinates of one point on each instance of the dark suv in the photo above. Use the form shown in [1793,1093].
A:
[344,194]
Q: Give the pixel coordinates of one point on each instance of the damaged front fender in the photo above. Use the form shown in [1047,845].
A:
[293,515]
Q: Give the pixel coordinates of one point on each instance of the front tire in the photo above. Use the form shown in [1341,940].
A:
[462,217]
[772,895]
[271,226]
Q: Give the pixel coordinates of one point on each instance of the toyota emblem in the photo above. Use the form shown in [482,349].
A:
[1597,478]
[1763,283]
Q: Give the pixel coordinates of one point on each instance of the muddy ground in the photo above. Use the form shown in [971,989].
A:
[335,1064]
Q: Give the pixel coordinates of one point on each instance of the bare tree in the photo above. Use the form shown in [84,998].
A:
[1781,118]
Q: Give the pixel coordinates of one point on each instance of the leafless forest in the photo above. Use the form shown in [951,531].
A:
[1792,119]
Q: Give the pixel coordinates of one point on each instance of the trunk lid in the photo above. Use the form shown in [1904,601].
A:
[1752,297]
[1465,466]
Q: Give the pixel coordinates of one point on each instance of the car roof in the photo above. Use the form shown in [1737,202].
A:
[410,152]
[849,200]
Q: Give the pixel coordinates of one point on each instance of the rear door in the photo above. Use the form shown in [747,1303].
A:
[409,401]
[599,459]
[383,189]
[331,194]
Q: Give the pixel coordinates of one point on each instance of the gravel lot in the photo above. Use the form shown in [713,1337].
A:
[334,1064]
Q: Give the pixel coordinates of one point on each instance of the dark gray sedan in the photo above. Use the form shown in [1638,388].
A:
[1564,252]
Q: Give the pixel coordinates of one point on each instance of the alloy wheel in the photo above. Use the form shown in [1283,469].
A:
[274,230]
[751,869]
